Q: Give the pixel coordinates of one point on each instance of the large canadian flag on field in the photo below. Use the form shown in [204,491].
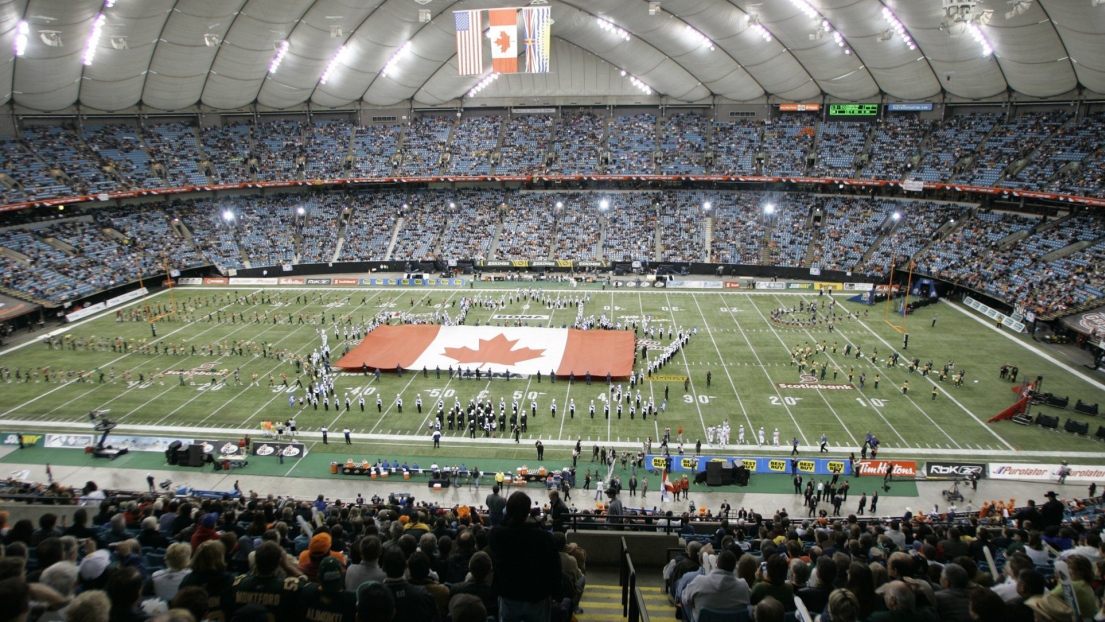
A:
[496,349]
[504,40]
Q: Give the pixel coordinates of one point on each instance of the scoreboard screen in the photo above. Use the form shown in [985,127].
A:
[854,112]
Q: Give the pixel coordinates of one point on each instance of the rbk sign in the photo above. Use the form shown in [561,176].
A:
[954,470]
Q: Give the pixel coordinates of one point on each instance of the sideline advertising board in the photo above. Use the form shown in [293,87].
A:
[1037,472]
[954,470]
[776,464]
[878,468]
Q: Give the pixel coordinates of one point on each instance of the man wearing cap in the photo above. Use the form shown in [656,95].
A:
[265,585]
[206,530]
[326,600]
[318,550]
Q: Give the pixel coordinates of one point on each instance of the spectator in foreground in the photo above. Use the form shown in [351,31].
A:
[167,581]
[720,589]
[527,565]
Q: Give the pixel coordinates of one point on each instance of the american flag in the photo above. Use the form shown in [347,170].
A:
[537,23]
[469,42]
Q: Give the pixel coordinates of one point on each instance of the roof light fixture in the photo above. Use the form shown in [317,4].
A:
[980,38]
[484,83]
[281,50]
[339,56]
[805,8]
[755,26]
[395,58]
[22,34]
[700,38]
[898,27]
[641,86]
[94,38]
[611,28]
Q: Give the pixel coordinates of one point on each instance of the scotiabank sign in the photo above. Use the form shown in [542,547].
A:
[878,468]
[345,282]
[731,284]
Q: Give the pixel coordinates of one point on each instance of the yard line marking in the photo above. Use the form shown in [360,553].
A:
[957,402]
[752,349]
[683,353]
[62,331]
[823,397]
[732,383]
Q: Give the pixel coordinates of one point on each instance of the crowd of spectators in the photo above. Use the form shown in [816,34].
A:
[849,226]
[280,149]
[919,568]
[578,231]
[632,142]
[791,232]
[917,224]
[897,139]
[975,148]
[424,140]
[630,229]
[970,252]
[63,150]
[580,140]
[473,143]
[525,142]
[947,145]
[374,146]
[682,225]
[370,228]
[838,145]
[132,558]
[1009,142]
[738,235]
[120,148]
[269,230]
[423,223]
[327,148]
[683,143]
[473,221]
[787,140]
[735,145]
[228,149]
[529,228]
[173,146]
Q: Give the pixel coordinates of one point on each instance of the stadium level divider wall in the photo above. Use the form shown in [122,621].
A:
[778,465]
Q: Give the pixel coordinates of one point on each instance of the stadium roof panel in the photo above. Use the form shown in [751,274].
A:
[173,55]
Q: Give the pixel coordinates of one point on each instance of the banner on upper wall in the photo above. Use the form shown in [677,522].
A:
[879,468]
[1045,472]
[30,439]
[954,470]
[270,448]
[695,464]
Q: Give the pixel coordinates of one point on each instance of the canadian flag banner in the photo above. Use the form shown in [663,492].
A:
[496,349]
[504,40]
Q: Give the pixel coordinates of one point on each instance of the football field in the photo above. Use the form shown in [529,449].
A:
[164,386]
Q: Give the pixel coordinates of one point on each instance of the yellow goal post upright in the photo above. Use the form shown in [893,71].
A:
[154,315]
[899,313]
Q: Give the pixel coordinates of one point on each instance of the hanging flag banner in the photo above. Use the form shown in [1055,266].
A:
[538,27]
[504,40]
[469,42]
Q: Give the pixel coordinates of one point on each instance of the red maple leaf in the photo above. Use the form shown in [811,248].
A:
[503,41]
[498,350]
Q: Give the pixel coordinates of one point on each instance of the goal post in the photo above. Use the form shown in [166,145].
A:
[894,313]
